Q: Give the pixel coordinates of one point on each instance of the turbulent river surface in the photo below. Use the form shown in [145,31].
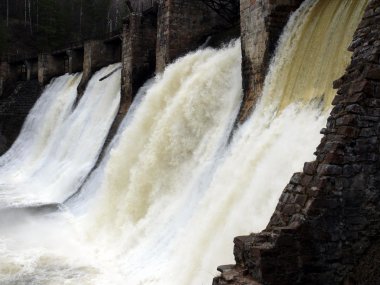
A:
[177,183]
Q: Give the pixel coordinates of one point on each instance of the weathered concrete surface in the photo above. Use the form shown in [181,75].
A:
[4,75]
[183,25]
[98,54]
[10,72]
[31,66]
[75,60]
[326,225]
[227,9]
[14,108]
[50,66]
[261,22]
[138,58]
[138,62]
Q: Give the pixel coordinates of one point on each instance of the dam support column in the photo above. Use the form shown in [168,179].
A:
[326,226]
[28,67]
[2,82]
[75,58]
[97,54]
[49,66]
[31,68]
[261,24]
[4,75]
[138,60]
[183,25]
[138,56]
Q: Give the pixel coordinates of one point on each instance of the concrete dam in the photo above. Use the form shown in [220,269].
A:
[205,132]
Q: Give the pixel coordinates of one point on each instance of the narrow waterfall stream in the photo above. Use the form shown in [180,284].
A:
[59,144]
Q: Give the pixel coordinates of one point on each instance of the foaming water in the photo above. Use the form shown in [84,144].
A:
[178,129]
[59,144]
[170,227]
[161,157]
[171,195]
[79,203]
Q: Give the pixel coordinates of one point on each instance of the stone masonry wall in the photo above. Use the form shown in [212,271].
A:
[183,25]
[75,58]
[49,66]
[138,59]
[97,54]
[4,76]
[326,225]
[262,22]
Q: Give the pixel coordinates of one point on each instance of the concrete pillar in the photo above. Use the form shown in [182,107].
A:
[97,54]
[183,25]
[28,67]
[75,59]
[261,24]
[138,56]
[4,75]
[32,68]
[49,66]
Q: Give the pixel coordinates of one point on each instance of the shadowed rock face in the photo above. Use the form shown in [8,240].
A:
[326,225]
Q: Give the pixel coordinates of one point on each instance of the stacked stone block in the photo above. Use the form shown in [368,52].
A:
[138,59]
[261,24]
[183,25]
[326,225]
[49,66]
[75,59]
[97,54]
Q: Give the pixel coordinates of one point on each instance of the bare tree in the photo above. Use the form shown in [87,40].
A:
[7,13]
[129,6]
[25,13]
[80,16]
[37,19]
[30,17]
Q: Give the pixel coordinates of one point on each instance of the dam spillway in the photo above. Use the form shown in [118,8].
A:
[172,190]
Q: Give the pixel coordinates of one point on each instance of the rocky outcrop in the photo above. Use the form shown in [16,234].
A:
[326,225]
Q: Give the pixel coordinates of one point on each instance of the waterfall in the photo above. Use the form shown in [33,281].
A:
[171,192]
[59,144]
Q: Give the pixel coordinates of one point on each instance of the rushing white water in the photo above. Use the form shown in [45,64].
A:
[159,225]
[171,195]
[59,144]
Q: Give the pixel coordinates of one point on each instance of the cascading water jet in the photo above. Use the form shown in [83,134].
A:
[172,193]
